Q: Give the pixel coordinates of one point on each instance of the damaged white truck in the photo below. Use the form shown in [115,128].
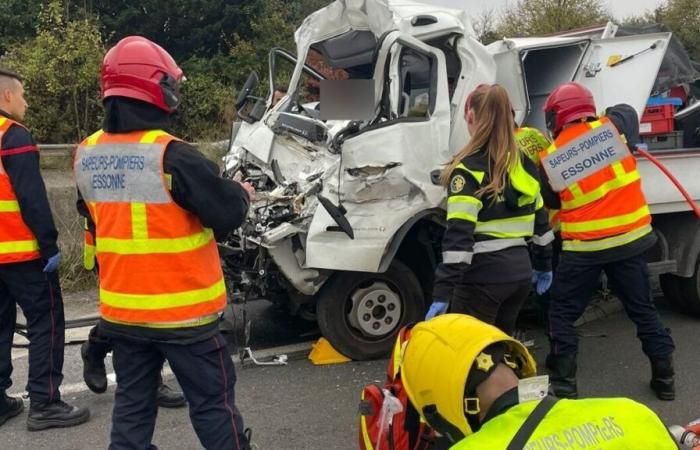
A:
[347,226]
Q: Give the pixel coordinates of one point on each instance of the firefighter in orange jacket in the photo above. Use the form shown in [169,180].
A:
[155,202]
[605,226]
[29,260]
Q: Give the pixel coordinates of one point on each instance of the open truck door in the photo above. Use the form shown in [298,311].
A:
[623,69]
[385,166]
[616,70]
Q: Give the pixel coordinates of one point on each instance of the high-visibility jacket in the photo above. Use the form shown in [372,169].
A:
[17,242]
[495,225]
[159,266]
[606,209]
[531,141]
[587,424]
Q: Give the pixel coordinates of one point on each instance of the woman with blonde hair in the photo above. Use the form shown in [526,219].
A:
[494,208]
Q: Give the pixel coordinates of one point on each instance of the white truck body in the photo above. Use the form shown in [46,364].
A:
[380,176]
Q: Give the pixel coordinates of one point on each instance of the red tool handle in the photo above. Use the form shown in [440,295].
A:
[673,179]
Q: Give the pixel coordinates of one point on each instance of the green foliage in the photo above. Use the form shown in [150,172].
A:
[538,17]
[683,17]
[207,109]
[18,19]
[186,28]
[60,66]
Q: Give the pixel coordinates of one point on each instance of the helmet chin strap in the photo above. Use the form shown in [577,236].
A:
[169,88]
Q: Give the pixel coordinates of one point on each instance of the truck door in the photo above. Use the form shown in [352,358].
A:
[384,176]
[623,69]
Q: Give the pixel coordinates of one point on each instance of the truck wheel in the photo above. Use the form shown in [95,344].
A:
[360,313]
[690,290]
[670,286]
[685,292]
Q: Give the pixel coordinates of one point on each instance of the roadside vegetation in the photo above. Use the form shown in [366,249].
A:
[57,46]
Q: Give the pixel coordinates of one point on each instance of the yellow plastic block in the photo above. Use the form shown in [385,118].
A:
[322,352]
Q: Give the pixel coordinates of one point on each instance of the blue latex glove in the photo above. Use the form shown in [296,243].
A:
[438,308]
[542,281]
[52,263]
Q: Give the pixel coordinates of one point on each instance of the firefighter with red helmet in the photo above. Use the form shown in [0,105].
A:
[155,204]
[605,226]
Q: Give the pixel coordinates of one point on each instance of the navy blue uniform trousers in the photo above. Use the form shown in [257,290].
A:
[206,375]
[573,287]
[39,296]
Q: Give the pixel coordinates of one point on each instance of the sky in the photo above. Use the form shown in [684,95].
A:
[619,8]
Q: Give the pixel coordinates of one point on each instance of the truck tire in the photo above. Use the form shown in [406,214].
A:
[360,313]
[684,292]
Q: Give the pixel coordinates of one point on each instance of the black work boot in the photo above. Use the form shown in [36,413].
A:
[58,414]
[662,377]
[94,372]
[562,375]
[9,407]
[169,397]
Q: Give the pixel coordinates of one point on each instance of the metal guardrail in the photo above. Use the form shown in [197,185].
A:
[57,150]
[66,150]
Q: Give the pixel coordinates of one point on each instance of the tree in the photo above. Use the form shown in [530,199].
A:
[484,25]
[683,17]
[61,67]
[18,20]
[538,17]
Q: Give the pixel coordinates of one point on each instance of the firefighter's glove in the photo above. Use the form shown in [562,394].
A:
[542,281]
[438,308]
[52,263]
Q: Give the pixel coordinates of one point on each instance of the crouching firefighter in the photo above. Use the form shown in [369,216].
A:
[475,385]
[154,201]
[591,177]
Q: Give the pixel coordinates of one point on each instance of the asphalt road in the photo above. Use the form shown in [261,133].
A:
[301,406]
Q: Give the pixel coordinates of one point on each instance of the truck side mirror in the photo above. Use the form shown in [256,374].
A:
[250,84]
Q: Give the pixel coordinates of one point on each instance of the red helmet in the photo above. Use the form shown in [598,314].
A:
[141,69]
[568,103]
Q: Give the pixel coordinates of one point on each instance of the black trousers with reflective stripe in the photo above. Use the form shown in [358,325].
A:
[573,287]
[207,377]
[39,296]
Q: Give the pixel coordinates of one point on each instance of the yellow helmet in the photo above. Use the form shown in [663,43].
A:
[439,356]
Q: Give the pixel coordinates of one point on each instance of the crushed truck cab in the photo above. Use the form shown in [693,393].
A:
[347,226]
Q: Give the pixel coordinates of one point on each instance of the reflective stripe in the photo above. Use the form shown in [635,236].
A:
[507,228]
[89,257]
[543,240]
[182,324]
[604,244]
[18,246]
[9,206]
[497,245]
[92,140]
[457,257]
[150,137]
[139,222]
[363,426]
[463,207]
[153,302]
[149,246]
[601,224]
[477,174]
[601,191]
[539,203]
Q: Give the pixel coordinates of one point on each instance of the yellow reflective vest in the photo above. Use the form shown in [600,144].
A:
[587,424]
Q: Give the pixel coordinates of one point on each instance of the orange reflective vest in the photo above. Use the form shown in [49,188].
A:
[159,266]
[606,209]
[17,242]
